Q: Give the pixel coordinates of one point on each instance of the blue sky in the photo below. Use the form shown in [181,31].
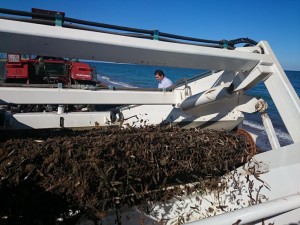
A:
[277,22]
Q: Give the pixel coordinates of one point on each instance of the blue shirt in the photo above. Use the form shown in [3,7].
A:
[164,83]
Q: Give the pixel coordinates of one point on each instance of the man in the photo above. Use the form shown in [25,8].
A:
[163,81]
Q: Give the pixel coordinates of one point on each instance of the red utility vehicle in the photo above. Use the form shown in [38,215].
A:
[48,70]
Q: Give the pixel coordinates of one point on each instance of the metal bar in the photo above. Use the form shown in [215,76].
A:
[28,38]
[11,95]
[253,213]
[270,131]
[284,96]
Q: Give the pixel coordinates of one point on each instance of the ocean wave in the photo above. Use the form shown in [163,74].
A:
[258,129]
[108,81]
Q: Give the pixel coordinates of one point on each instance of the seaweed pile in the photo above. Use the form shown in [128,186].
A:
[45,174]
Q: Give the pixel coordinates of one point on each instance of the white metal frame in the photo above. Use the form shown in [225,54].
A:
[58,41]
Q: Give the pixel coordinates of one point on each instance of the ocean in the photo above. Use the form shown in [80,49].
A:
[128,75]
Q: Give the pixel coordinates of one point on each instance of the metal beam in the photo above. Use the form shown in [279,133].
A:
[17,95]
[284,96]
[28,38]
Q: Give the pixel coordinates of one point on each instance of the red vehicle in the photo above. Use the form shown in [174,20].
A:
[48,70]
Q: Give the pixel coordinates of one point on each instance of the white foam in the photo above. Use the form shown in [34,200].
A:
[107,80]
[254,125]
[258,130]
[103,77]
[280,133]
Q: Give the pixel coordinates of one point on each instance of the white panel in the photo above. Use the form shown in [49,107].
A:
[53,120]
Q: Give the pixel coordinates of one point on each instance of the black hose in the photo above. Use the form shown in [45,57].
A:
[188,38]
[109,26]
[79,27]
[242,40]
[136,35]
[139,33]
[151,32]
[196,44]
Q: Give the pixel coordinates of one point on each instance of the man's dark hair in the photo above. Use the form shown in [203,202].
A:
[159,72]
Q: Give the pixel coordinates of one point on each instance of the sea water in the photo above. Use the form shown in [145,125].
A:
[132,76]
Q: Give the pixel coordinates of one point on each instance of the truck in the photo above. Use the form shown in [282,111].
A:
[46,70]
[35,69]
